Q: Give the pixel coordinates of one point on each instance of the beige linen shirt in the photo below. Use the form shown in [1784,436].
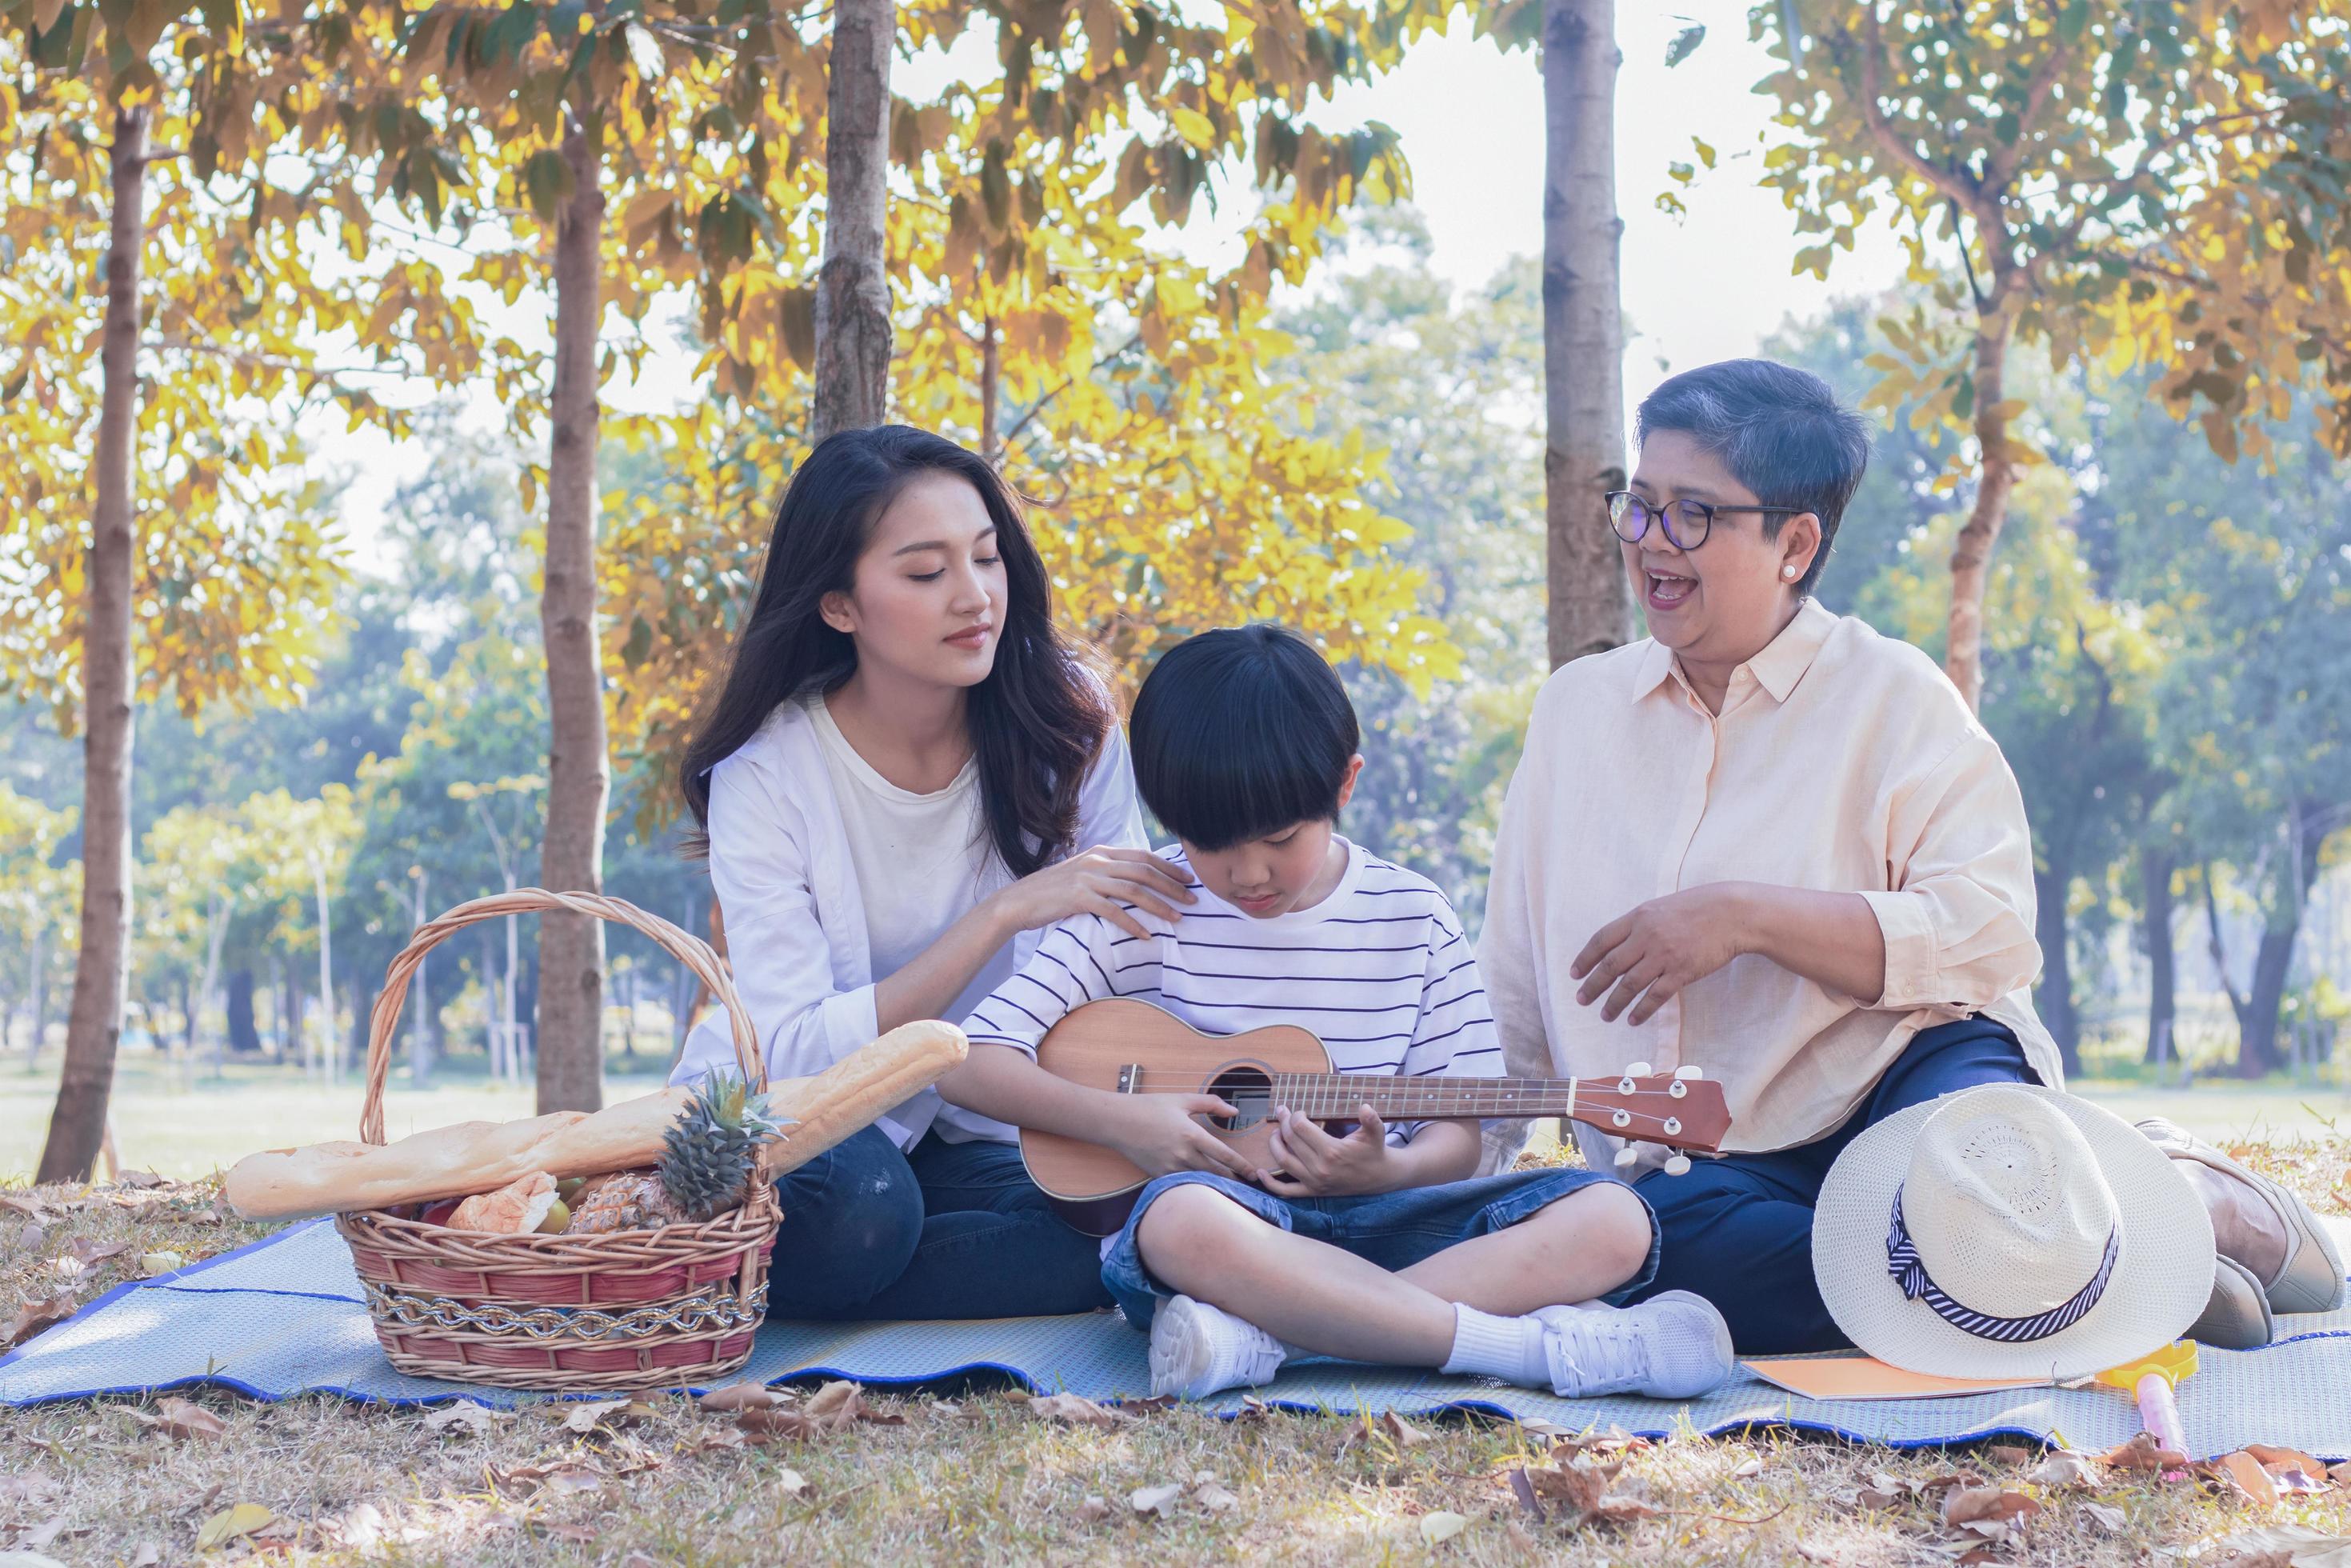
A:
[1842,761]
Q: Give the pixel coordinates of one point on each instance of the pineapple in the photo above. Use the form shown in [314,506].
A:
[706,1158]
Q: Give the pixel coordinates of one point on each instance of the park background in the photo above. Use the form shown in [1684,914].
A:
[1252,299]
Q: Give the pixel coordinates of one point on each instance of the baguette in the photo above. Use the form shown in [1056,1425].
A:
[478,1156]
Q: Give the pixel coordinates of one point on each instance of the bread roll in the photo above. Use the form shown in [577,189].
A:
[476,1156]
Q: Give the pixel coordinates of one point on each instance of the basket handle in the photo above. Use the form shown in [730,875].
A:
[689,949]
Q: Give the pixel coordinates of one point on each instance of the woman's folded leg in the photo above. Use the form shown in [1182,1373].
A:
[852,1219]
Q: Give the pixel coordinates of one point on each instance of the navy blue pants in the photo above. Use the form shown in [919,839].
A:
[1739,1231]
[943,1231]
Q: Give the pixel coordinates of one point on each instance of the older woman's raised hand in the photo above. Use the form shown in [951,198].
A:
[1643,959]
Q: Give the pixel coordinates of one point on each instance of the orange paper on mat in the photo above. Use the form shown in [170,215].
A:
[1866,1378]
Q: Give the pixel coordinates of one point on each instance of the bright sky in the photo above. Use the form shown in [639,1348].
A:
[1705,286]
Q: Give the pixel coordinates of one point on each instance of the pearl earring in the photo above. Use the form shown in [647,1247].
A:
[1787,571]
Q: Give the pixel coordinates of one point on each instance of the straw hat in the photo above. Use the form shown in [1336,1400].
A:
[2010,1230]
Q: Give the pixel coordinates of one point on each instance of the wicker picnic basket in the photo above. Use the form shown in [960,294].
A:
[620,1310]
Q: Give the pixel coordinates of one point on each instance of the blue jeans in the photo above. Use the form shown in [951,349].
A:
[1739,1231]
[1393,1229]
[943,1231]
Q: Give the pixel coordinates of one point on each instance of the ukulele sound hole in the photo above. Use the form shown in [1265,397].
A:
[1248,1089]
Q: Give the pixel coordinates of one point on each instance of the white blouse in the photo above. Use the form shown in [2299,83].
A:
[806,937]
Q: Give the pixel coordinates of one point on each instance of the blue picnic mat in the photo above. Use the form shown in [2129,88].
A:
[285,1316]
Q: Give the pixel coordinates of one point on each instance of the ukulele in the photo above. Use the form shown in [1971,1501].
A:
[1130,1047]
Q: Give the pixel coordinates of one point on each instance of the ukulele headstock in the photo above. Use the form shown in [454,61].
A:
[1682,1110]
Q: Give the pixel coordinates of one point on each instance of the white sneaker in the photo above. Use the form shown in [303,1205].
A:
[1672,1346]
[1198,1350]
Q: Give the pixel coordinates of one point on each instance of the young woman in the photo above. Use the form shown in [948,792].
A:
[897,779]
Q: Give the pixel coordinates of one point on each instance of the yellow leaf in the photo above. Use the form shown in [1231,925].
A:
[1191,126]
[243,1519]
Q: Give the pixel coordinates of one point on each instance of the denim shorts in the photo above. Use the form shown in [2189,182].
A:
[1393,1229]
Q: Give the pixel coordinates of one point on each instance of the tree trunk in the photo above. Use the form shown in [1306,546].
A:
[991,377]
[2053,998]
[37,998]
[102,974]
[1972,554]
[853,289]
[1588,605]
[2162,987]
[579,781]
[243,1034]
[2257,1015]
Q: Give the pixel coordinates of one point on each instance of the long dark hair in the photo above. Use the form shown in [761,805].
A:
[1036,723]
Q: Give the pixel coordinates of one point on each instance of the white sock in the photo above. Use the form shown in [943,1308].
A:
[1490,1347]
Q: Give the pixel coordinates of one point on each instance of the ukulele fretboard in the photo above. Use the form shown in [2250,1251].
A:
[1333,1097]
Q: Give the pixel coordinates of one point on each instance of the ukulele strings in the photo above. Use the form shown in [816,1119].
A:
[1315,1096]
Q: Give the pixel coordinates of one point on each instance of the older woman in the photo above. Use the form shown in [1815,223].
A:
[1769,842]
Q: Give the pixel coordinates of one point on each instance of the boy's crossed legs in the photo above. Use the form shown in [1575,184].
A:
[1478,1276]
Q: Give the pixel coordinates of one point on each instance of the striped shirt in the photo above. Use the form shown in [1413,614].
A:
[1378,971]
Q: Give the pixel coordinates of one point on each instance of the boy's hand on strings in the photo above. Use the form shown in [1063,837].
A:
[1314,1163]
[1101,881]
[1160,1133]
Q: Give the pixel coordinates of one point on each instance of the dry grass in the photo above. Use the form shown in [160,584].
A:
[976,1475]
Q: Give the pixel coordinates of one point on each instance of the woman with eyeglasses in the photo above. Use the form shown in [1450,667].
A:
[1767,841]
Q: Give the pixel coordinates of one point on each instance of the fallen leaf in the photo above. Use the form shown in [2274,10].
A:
[776,1426]
[34,1537]
[1214,1498]
[573,1533]
[29,1207]
[2341,1472]
[139,1180]
[162,1263]
[474,1418]
[1436,1528]
[2242,1473]
[150,1553]
[2296,1544]
[240,1518]
[1154,1499]
[1524,1490]
[1969,1505]
[178,1418]
[789,1481]
[585,1418]
[90,1252]
[1748,1472]
[1813,1554]
[35,1316]
[2007,1454]
[26,1488]
[1093,1510]
[839,1397]
[737,1396]
[1616,1508]
[207,1215]
[567,1476]
[2109,1519]
[2065,1468]
[2278,1460]
[2143,1453]
[361,1526]
[708,1439]
[30,1236]
[1879,1498]
[1401,1432]
[1078,1410]
[70,1268]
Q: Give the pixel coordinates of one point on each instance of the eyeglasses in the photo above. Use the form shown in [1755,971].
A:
[1686,523]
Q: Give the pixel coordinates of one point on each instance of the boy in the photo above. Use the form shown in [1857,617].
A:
[1373,1246]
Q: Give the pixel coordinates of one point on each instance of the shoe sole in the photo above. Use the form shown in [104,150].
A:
[2228,1321]
[1179,1348]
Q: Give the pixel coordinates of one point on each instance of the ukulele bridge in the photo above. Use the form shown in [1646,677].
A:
[1129,1079]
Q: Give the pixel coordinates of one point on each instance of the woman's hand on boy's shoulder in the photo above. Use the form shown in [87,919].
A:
[1102,881]
[1315,1164]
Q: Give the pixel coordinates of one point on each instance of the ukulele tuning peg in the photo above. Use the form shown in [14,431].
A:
[1691,1072]
[1628,1153]
[1638,1070]
[1677,1165]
